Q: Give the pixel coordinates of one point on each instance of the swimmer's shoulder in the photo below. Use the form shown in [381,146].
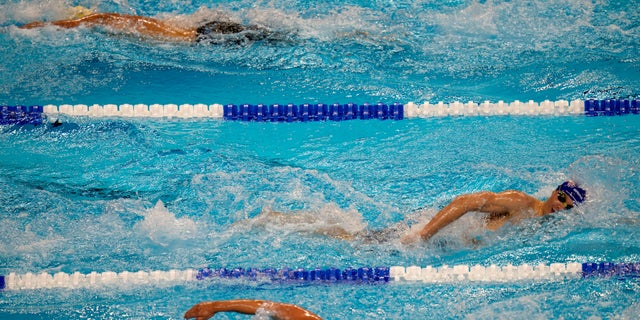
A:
[515,196]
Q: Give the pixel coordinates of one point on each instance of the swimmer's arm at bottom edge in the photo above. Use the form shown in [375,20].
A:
[283,311]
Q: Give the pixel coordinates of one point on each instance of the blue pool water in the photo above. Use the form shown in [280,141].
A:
[116,195]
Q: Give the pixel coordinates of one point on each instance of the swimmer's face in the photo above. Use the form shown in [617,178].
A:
[559,201]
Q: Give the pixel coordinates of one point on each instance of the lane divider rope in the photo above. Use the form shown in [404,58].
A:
[372,275]
[320,112]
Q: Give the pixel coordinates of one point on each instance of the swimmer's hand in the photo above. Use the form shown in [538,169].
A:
[201,311]
[410,238]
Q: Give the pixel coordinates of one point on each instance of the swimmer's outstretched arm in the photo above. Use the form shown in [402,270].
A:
[145,26]
[489,202]
[283,311]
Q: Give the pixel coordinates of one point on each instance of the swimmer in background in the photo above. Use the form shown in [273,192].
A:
[211,32]
[276,310]
[500,207]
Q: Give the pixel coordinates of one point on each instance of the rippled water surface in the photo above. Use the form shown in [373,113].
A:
[116,195]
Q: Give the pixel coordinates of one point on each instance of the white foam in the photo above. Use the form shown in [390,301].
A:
[477,18]
[162,226]
[34,11]
[197,18]
[524,19]
[329,219]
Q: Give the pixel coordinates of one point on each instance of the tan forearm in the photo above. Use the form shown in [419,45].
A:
[59,23]
[146,26]
[284,311]
[143,25]
[208,309]
[240,306]
[453,211]
[443,218]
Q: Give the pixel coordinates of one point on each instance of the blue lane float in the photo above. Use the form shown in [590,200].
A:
[350,275]
[346,276]
[611,107]
[21,115]
[312,112]
[611,270]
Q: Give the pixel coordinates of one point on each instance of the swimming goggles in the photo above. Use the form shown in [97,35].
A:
[562,197]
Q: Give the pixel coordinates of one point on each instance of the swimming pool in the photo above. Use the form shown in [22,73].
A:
[108,194]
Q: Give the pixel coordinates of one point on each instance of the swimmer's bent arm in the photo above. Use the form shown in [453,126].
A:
[126,23]
[485,201]
[107,19]
[454,210]
[283,311]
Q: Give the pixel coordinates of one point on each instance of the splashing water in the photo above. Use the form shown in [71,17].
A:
[163,227]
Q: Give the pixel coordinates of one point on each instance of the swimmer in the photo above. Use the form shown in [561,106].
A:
[501,208]
[211,32]
[276,310]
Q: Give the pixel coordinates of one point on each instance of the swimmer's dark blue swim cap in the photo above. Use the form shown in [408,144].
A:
[572,190]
